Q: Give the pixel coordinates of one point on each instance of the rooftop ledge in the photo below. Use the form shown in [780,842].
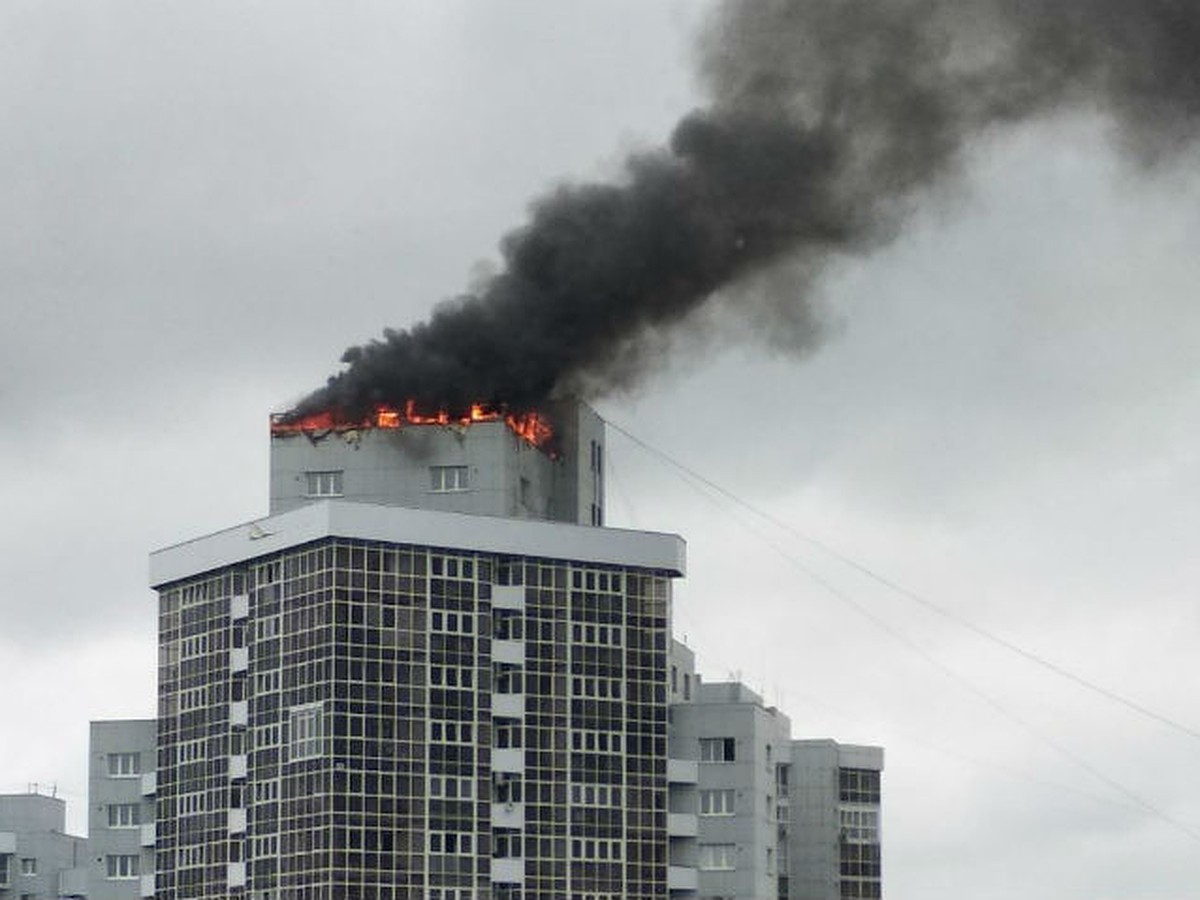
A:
[421,527]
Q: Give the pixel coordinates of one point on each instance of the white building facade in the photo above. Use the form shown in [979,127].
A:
[37,857]
[122,761]
[777,818]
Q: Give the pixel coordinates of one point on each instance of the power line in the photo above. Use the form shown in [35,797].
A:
[923,601]
[915,648]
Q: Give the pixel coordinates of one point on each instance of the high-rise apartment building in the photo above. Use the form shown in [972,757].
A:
[426,674]
[368,701]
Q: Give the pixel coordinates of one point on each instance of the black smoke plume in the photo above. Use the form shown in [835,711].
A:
[827,120]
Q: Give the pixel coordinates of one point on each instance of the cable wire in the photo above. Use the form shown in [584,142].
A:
[923,601]
[903,639]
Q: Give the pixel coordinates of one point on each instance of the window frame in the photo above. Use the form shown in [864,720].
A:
[122,866]
[325,483]
[717,857]
[718,750]
[125,764]
[718,802]
[308,720]
[124,815]
[449,479]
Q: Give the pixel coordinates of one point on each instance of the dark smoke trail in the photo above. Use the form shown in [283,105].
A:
[827,120]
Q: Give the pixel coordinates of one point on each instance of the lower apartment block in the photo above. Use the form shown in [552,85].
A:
[38,859]
[122,778]
[773,817]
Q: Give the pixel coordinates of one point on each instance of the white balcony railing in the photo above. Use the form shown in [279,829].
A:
[237,766]
[683,771]
[237,821]
[239,659]
[682,878]
[508,706]
[511,760]
[239,714]
[508,870]
[508,651]
[508,597]
[682,825]
[508,815]
[235,874]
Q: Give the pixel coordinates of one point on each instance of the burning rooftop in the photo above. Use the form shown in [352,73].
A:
[532,427]
[485,461]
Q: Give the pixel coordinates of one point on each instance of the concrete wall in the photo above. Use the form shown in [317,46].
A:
[761,741]
[506,475]
[104,791]
[814,846]
[682,681]
[32,828]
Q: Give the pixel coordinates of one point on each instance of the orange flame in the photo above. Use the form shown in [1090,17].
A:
[531,427]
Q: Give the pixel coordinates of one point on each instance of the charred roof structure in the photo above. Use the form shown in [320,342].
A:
[484,463]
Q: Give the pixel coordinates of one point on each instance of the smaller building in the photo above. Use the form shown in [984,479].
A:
[771,818]
[37,857]
[121,824]
[835,804]
[742,749]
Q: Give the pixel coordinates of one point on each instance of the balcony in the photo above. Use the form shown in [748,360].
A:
[508,870]
[508,597]
[237,821]
[237,766]
[511,760]
[147,885]
[149,834]
[239,714]
[682,825]
[508,815]
[682,878]
[239,659]
[508,706]
[508,651]
[235,874]
[149,784]
[239,606]
[683,771]
[73,882]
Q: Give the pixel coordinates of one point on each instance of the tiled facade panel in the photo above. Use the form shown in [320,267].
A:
[329,717]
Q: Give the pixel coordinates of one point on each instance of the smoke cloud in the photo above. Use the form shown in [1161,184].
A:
[827,121]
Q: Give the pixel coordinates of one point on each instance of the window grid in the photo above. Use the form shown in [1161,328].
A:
[374,603]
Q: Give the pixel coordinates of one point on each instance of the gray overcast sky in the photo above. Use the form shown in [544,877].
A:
[202,205]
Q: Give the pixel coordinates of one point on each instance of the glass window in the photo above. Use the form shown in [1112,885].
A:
[123,815]
[720,749]
[443,479]
[858,785]
[717,856]
[305,732]
[121,866]
[717,803]
[123,764]
[324,484]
